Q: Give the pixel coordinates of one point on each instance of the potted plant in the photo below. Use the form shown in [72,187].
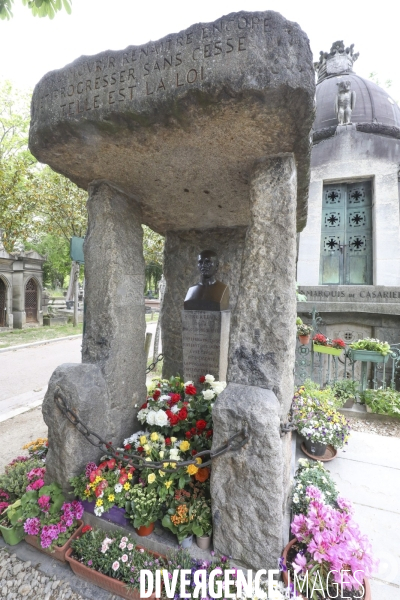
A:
[303,332]
[104,490]
[202,522]
[11,524]
[308,555]
[311,473]
[345,392]
[144,509]
[180,518]
[382,402]
[111,561]
[327,346]
[49,522]
[370,349]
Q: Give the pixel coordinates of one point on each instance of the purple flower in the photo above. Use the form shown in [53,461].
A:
[90,467]
[32,526]
[90,562]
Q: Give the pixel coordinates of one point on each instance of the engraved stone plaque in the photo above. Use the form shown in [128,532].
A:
[205,340]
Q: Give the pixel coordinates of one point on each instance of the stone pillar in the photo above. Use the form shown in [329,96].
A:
[114,284]
[247,486]
[18,291]
[263,332]
[180,271]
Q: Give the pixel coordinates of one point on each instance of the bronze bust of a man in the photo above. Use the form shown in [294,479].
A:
[209,293]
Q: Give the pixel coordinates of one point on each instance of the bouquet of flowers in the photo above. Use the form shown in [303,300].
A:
[330,544]
[108,484]
[312,473]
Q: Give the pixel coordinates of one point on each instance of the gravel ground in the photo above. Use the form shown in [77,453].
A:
[377,427]
[20,581]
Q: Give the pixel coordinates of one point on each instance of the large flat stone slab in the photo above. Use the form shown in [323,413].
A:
[179,123]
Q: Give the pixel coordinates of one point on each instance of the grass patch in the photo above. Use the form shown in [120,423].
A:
[15,337]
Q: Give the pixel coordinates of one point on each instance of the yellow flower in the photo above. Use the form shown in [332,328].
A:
[127,486]
[151,478]
[165,465]
[97,480]
[130,475]
[87,492]
[173,440]
[154,436]
[111,498]
[161,473]
[192,469]
[198,460]
[147,448]
[143,440]
[184,446]
[99,502]
[161,453]
[168,484]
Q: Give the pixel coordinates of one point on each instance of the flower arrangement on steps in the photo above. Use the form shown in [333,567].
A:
[328,551]
[325,345]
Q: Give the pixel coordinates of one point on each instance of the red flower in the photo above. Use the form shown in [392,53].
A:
[132,470]
[92,476]
[156,394]
[194,452]
[190,390]
[103,465]
[188,435]
[167,441]
[338,343]
[111,464]
[140,449]
[143,406]
[123,478]
[127,447]
[86,528]
[193,431]
[201,425]
[202,379]
[182,414]
[320,339]
[175,398]
[209,433]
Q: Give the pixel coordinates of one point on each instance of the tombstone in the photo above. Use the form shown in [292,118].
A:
[204,137]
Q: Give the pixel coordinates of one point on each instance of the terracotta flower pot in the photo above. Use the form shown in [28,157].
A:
[367,593]
[143,530]
[304,339]
[59,551]
[114,586]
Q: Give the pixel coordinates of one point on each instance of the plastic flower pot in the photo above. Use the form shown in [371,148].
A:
[143,530]
[367,592]
[315,448]
[59,551]
[203,541]
[114,586]
[304,339]
[187,541]
[114,515]
[368,356]
[327,350]
[12,535]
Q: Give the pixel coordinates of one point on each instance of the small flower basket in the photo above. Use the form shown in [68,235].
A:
[324,345]
[368,356]
[327,350]
[303,332]
[114,515]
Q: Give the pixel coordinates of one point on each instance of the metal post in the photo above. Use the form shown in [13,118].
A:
[76,293]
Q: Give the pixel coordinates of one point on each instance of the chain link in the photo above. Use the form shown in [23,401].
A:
[152,365]
[136,460]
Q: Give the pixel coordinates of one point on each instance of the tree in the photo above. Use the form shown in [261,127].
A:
[153,249]
[39,8]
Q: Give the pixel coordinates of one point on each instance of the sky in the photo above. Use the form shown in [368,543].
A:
[30,47]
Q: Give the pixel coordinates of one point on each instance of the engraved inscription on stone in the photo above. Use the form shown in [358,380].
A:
[205,340]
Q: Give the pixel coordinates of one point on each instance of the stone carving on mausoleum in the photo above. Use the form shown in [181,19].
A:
[344,102]
[338,60]
[209,293]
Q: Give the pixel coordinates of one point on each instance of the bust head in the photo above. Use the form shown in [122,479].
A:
[208,264]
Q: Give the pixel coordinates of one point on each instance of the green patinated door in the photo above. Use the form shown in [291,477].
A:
[346,234]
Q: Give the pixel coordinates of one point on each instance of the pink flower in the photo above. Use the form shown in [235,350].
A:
[124,558]
[299,564]
[115,565]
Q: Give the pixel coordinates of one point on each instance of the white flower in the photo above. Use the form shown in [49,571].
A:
[208,394]
[161,453]
[161,418]
[151,417]
[130,547]
[174,454]
[98,511]
[124,558]
[218,386]
[188,383]
[115,565]
[122,545]
[174,409]
[142,414]
[118,488]
[209,378]
[164,397]
[124,539]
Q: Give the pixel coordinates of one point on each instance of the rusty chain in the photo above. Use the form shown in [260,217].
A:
[152,365]
[141,463]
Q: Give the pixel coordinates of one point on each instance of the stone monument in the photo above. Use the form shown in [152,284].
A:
[204,137]
[205,323]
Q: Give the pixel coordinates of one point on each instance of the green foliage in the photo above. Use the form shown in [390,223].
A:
[14,480]
[202,516]
[153,249]
[345,389]
[311,473]
[58,263]
[29,501]
[326,398]
[144,507]
[39,8]
[372,345]
[14,514]
[383,402]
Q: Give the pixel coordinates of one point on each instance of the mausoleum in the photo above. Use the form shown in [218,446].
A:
[349,252]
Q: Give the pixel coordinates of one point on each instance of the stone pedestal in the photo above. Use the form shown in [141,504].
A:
[205,342]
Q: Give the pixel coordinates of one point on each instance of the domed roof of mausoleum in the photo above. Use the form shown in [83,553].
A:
[373,110]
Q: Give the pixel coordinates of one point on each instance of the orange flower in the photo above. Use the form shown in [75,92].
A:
[202,474]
